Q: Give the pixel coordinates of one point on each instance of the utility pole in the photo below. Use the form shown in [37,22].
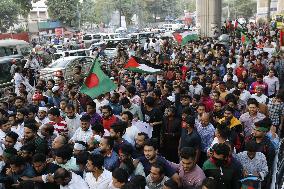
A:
[268,11]
[119,13]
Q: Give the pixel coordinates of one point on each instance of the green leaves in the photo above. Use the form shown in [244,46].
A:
[8,14]
[65,11]
[25,6]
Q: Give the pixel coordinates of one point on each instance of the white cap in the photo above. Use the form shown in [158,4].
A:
[42,109]
[55,88]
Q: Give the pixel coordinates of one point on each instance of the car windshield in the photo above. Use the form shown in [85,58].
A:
[87,37]
[61,63]
[112,44]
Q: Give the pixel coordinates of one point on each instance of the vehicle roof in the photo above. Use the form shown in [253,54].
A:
[117,39]
[69,58]
[12,42]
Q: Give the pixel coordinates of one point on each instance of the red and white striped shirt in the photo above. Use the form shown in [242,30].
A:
[60,127]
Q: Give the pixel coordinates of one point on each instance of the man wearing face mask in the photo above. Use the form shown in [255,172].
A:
[72,119]
[220,168]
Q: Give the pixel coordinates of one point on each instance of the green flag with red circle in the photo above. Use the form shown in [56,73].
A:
[97,82]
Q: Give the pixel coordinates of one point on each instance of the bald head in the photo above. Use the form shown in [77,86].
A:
[204,120]
[58,142]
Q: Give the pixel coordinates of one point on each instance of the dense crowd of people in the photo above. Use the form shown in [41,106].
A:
[215,114]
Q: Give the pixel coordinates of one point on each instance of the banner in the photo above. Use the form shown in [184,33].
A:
[281,37]
[59,31]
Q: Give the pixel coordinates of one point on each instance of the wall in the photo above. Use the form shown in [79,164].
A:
[20,36]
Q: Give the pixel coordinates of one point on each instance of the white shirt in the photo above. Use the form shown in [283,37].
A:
[260,99]
[73,124]
[273,84]
[130,134]
[233,65]
[103,180]
[195,90]
[19,130]
[235,78]
[76,183]
[245,95]
[42,122]
[81,135]
[2,136]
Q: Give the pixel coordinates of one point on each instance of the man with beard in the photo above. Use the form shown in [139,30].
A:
[235,127]
[108,117]
[140,141]
[117,130]
[11,101]
[217,113]
[21,116]
[32,111]
[195,88]
[114,103]
[41,117]
[111,160]
[18,168]
[220,168]
[190,173]
[19,103]
[131,131]
[131,107]
[11,141]
[72,119]
[263,143]
[151,156]
[42,169]
[67,179]
[91,110]
[31,137]
[83,133]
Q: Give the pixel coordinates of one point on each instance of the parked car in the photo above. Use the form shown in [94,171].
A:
[66,65]
[79,52]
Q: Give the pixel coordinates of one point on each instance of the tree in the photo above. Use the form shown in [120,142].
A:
[8,14]
[88,11]
[65,11]
[25,6]
[240,8]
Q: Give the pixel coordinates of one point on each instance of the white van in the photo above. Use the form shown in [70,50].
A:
[10,50]
[98,37]
[173,27]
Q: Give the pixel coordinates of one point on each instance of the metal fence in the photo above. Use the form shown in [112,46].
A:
[278,169]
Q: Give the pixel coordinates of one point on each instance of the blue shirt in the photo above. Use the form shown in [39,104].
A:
[147,165]
[110,161]
[116,108]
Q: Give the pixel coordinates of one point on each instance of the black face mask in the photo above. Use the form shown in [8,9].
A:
[218,162]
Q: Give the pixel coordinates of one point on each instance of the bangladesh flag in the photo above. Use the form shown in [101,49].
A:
[97,82]
[245,39]
[185,37]
[139,65]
